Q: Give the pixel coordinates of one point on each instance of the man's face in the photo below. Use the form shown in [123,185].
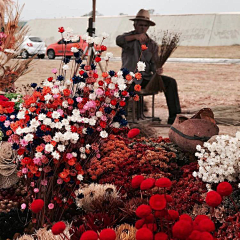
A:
[141,26]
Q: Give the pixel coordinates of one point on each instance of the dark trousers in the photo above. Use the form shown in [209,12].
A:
[171,95]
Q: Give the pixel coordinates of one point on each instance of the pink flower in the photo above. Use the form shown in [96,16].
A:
[6,123]
[37,161]
[104,118]
[47,169]
[32,184]
[23,142]
[60,111]
[98,155]
[54,70]
[50,205]
[24,170]
[79,99]
[59,181]
[99,91]
[99,129]
[69,156]
[23,206]
[55,96]
[44,182]
[36,190]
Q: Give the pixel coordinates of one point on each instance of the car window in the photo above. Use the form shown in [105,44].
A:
[35,39]
[60,42]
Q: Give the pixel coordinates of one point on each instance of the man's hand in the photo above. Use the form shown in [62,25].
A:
[159,71]
[142,37]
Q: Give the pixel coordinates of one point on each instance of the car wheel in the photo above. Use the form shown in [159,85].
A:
[24,54]
[51,54]
[41,56]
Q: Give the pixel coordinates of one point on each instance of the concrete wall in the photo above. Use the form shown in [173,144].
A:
[195,30]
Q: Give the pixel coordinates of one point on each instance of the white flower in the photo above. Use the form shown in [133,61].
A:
[74,49]
[75,136]
[141,66]
[111,86]
[21,115]
[58,125]
[82,85]
[83,156]
[105,35]
[47,121]
[92,122]
[122,87]
[65,104]
[89,39]
[19,131]
[48,97]
[61,148]
[65,67]
[68,82]
[97,40]
[119,74]
[108,56]
[80,177]
[38,155]
[98,114]
[88,146]
[34,123]
[116,125]
[56,155]
[29,137]
[55,115]
[104,134]
[82,149]
[48,147]
[92,96]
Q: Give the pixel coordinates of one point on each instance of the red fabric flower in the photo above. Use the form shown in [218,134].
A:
[143,211]
[213,199]
[172,215]
[136,181]
[161,236]
[147,184]
[61,29]
[144,47]
[151,226]
[107,234]
[157,202]
[186,217]
[89,235]
[144,234]
[163,183]
[206,225]
[97,59]
[182,229]
[224,189]
[37,205]
[103,48]
[197,220]
[133,132]
[58,228]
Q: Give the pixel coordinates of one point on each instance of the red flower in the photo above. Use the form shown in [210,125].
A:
[122,103]
[61,29]
[144,47]
[163,183]
[206,225]
[3,118]
[66,92]
[21,151]
[147,184]
[89,235]
[224,189]
[37,205]
[81,72]
[124,93]
[58,228]
[197,220]
[143,211]
[161,236]
[186,217]
[113,102]
[144,234]
[136,181]
[103,48]
[172,215]
[157,202]
[182,229]
[107,234]
[213,199]
[133,132]
[169,198]
[97,59]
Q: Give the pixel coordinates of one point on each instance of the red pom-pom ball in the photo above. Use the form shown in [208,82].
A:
[107,234]
[133,132]
[213,199]
[137,180]
[224,189]
[147,184]
[37,205]
[144,234]
[89,235]
[58,228]
[161,236]
[163,183]
[157,202]
[182,229]
[143,211]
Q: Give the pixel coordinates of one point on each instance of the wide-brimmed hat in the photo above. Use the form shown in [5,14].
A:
[143,15]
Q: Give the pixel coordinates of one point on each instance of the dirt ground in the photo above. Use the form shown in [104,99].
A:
[216,86]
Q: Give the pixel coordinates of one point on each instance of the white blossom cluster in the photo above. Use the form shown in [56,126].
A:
[220,160]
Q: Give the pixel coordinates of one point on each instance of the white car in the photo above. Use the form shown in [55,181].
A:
[32,46]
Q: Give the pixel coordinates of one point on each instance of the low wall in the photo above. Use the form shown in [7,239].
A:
[196,30]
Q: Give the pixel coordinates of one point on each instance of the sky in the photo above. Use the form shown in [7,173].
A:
[75,8]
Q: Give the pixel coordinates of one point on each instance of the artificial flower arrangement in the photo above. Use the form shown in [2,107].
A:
[60,127]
